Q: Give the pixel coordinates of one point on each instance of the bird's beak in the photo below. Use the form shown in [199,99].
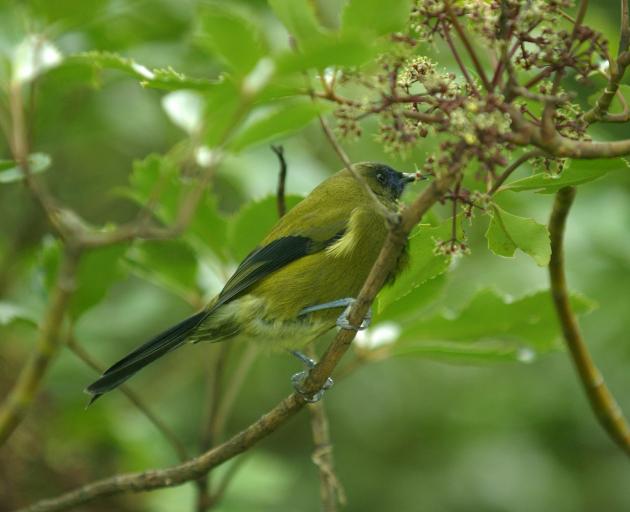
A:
[408,177]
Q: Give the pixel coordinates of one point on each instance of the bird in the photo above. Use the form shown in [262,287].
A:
[299,282]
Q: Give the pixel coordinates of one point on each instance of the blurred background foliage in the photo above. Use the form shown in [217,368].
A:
[475,407]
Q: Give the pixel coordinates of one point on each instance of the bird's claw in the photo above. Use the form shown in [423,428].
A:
[344,323]
[297,379]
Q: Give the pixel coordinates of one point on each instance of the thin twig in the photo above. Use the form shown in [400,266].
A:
[282,178]
[287,408]
[14,407]
[601,399]
[330,488]
[534,153]
[469,48]
[134,398]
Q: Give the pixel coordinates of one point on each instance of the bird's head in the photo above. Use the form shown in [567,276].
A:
[383,180]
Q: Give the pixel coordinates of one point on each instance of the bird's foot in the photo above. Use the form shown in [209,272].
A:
[342,321]
[298,379]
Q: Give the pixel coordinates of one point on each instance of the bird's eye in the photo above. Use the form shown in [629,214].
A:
[380,177]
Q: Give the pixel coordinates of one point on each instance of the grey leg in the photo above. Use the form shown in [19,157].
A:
[342,321]
[298,378]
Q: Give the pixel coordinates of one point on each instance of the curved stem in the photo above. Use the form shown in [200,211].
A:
[601,399]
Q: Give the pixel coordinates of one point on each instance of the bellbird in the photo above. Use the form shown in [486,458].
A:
[289,290]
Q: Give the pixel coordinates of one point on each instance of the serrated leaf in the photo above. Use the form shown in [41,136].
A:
[489,317]
[508,232]
[576,172]
[424,264]
[284,119]
[10,172]
[298,16]
[156,78]
[252,224]
[372,17]
[233,37]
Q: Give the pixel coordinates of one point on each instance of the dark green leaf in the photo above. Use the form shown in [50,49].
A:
[253,223]
[171,264]
[508,232]
[98,270]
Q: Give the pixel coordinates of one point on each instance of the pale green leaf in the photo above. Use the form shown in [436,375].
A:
[508,232]
[10,313]
[11,172]
[490,318]
[284,119]
[576,172]
[298,16]
[229,34]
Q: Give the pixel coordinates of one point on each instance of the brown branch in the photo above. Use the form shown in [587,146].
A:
[282,178]
[14,407]
[467,44]
[134,398]
[601,399]
[330,488]
[268,423]
[617,70]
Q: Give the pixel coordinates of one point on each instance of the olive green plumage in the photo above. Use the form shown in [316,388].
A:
[320,251]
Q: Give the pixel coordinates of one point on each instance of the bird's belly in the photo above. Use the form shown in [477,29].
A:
[249,319]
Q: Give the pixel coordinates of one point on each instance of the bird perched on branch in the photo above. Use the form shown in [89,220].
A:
[299,282]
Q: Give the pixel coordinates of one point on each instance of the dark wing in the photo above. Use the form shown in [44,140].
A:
[265,260]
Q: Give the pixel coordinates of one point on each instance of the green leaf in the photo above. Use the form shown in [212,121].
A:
[10,313]
[156,78]
[209,228]
[332,51]
[252,224]
[233,37]
[10,172]
[298,16]
[576,172]
[98,270]
[373,17]
[498,322]
[284,119]
[424,264]
[508,232]
[171,264]
[223,106]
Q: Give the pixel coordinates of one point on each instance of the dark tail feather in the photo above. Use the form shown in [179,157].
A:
[144,355]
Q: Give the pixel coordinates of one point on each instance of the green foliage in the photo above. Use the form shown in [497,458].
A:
[13,312]
[426,264]
[299,18]
[253,223]
[508,232]
[11,172]
[157,78]
[576,172]
[228,34]
[368,16]
[489,327]
[286,118]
